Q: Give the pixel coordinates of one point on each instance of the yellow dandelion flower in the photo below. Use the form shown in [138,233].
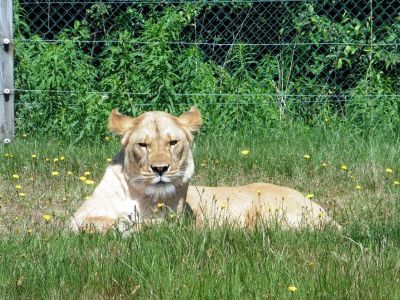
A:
[245,152]
[31,179]
[56,159]
[109,159]
[306,157]
[396,182]
[309,196]
[29,231]
[21,194]
[89,182]
[82,178]
[292,288]
[47,218]
[324,165]
[223,205]
[344,168]
[160,205]
[69,173]
[86,173]
[389,171]
[55,173]
[258,192]
[62,158]
[321,214]
[18,187]
[34,155]
[358,187]
[15,176]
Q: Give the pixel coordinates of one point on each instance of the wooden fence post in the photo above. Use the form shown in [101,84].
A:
[6,71]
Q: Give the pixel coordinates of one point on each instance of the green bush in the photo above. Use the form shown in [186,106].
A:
[55,67]
[245,89]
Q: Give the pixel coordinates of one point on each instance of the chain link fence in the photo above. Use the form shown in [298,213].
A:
[240,61]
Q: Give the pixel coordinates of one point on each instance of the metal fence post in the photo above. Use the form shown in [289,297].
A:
[6,71]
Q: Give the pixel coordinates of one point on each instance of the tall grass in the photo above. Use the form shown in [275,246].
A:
[42,259]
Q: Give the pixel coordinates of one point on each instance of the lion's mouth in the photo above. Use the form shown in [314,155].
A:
[161,180]
[160,188]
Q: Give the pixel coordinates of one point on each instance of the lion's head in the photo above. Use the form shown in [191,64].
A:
[157,150]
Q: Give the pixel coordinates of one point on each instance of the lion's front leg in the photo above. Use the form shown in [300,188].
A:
[97,224]
[122,223]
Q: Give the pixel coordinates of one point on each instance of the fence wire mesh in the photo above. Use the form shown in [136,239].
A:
[291,55]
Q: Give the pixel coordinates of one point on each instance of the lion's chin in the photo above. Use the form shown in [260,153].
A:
[160,190]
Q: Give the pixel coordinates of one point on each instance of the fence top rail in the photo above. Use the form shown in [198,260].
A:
[34,2]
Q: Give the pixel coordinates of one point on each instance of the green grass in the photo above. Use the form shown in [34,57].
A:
[44,260]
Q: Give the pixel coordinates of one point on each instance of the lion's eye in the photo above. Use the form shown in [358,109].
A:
[143,145]
[173,142]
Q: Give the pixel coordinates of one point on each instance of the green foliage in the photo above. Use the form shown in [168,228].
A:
[370,111]
[56,67]
[150,68]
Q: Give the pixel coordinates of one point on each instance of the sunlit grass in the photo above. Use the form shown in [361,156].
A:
[42,183]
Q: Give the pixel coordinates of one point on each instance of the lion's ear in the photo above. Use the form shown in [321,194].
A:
[119,123]
[191,119]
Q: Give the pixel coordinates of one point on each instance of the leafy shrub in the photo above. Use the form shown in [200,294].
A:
[59,67]
[245,88]
[367,111]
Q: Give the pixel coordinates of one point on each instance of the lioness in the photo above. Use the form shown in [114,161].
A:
[149,178]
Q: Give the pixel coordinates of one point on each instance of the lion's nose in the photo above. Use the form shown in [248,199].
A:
[160,170]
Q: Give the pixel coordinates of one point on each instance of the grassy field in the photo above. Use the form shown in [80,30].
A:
[356,177]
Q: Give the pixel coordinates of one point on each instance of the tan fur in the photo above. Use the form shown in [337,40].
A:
[157,146]
[263,203]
